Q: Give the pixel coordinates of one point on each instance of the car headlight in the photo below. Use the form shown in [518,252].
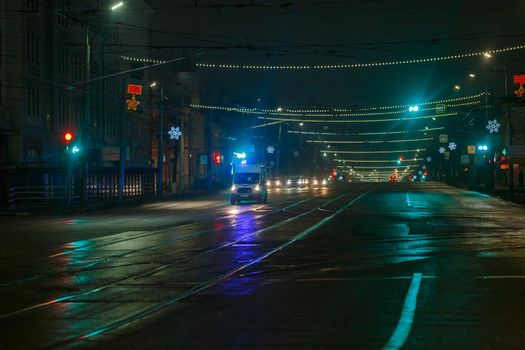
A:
[289,182]
[233,188]
[268,183]
[315,182]
[278,183]
[257,188]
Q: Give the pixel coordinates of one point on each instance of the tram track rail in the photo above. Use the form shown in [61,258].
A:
[192,235]
[162,267]
[211,282]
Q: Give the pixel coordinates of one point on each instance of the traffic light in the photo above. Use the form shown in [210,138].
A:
[73,149]
[217,158]
[68,136]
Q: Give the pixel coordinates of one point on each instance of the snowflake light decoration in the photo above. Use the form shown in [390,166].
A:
[270,149]
[441,150]
[452,146]
[429,159]
[175,133]
[493,126]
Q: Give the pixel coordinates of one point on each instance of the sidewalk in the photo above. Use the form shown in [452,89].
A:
[518,196]
[101,205]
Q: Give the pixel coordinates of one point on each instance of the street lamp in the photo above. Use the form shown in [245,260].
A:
[457,87]
[472,75]
[483,147]
[413,109]
[116,6]
[160,147]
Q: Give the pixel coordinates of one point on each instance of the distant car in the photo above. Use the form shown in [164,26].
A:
[274,182]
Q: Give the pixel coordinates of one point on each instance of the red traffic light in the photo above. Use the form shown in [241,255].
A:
[68,136]
[217,157]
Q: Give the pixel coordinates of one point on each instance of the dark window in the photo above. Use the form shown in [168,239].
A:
[32,5]
[246,178]
[32,46]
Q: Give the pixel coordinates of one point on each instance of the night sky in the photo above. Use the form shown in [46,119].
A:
[341,32]
[325,32]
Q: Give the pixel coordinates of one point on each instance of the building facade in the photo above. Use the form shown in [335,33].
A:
[50,86]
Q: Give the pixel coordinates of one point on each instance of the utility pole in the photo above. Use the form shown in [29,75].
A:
[122,165]
[181,150]
[86,132]
[160,146]
[511,163]
[209,136]
[278,161]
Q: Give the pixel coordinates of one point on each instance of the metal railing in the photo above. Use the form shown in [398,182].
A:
[30,197]
[41,189]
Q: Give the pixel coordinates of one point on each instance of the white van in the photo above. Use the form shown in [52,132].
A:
[249,184]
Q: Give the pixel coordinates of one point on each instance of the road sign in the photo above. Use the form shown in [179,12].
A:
[443,138]
[465,159]
[134,89]
[471,149]
[519,79]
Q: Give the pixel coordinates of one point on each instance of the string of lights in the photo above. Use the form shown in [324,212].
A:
[487,53]
[302,120]
[384,167]
[142,59]
[375,152]
[376,160]
[427,129]
[337,111]
[364,114]
[365,142]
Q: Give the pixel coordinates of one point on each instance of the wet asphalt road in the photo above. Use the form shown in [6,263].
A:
[364,266]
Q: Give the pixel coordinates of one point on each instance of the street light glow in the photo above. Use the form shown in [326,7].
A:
[487,54]
[413,108]
[116,6]
[279,109]
[153,84]
[472,75]
[457,87]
